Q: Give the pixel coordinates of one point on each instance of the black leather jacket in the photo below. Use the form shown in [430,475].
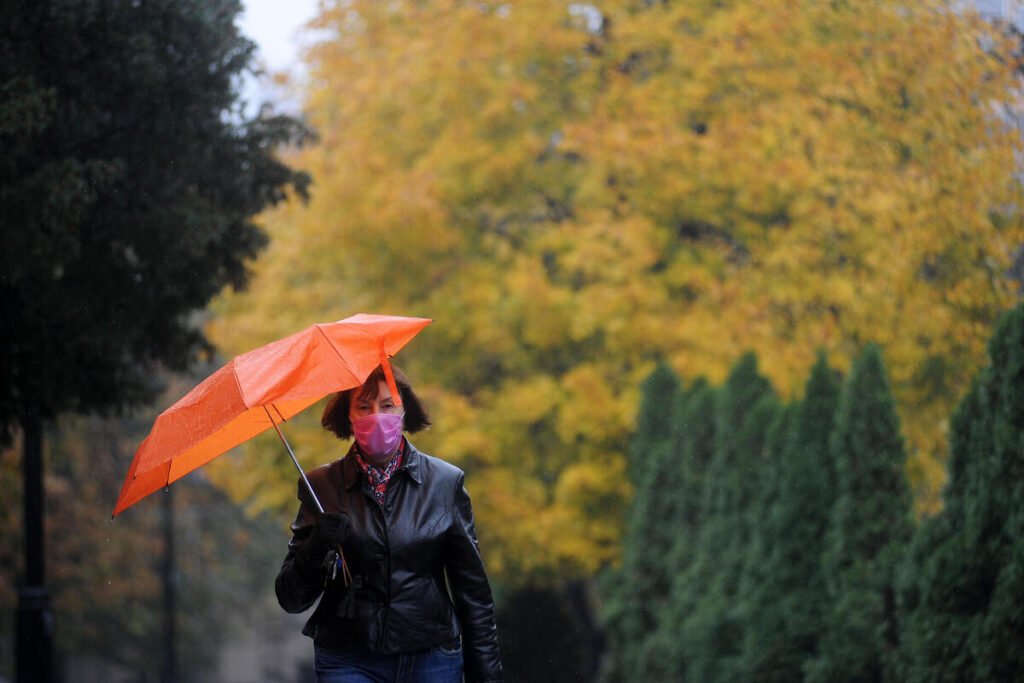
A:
[399,556]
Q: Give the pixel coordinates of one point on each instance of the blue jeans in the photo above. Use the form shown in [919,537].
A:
[436,665]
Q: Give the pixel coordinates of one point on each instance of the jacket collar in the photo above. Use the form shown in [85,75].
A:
[410,463]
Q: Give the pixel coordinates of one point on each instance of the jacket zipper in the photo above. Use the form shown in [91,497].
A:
[387,550]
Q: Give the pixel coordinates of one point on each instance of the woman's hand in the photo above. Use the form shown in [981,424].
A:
[330,531]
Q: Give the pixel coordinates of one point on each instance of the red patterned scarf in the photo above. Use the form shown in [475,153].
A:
[379,478]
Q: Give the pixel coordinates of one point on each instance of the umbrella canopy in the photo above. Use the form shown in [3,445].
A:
[258,390]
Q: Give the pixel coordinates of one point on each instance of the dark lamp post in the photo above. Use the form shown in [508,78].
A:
[34,626]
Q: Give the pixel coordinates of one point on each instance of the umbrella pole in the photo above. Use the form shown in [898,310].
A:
[295,460]
[346,575]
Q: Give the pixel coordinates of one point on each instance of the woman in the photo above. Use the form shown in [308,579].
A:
[394,556]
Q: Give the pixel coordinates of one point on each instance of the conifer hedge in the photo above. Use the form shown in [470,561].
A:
[775,543]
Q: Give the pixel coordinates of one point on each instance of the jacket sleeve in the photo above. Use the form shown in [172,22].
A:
[301,579]
[471,593]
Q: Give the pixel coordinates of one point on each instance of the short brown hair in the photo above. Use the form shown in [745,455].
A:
[335,418]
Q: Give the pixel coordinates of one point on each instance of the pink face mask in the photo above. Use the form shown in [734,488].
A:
[378,434]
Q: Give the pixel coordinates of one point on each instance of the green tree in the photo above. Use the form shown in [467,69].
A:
[1000,655]
[787,608]
[762,507]
[129,180]
[962,582]
[672,519]
[662,659]
[704,599]
[945,583]
[870,525]
[632,592]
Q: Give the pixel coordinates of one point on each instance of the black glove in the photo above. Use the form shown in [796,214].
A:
[330,530]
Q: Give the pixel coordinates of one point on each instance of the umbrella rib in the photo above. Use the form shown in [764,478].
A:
[336,351]
[238,383]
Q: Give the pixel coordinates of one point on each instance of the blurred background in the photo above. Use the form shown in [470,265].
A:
[728,332]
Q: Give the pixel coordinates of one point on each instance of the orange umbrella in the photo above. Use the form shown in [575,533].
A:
[260,389]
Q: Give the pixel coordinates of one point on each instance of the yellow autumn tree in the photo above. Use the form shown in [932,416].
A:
[573,190]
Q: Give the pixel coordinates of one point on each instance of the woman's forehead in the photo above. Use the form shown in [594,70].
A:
[372,390]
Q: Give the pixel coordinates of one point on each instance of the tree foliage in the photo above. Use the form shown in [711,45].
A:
[632,592]
[574,190]
[705,602]
[817,573]
[962,592]
[871,523]
[661,657]
[129,180]
[786,605]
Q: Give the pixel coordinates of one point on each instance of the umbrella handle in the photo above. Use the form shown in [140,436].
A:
[295,460]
